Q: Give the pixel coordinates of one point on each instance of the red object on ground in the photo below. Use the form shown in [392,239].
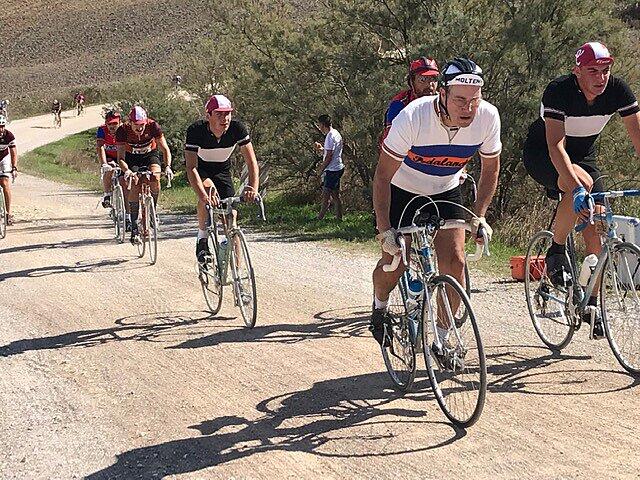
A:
[536,268]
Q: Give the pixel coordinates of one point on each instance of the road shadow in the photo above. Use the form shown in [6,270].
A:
[78,267]
[64,244]
[351,417]
[140,327]
[536,370]
[338,323]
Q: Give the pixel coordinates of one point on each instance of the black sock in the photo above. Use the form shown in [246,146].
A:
[133,208]
[556,248]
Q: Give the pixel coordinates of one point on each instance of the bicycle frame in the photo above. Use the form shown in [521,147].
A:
[225,211]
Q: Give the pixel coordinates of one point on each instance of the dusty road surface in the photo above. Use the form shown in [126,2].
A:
[111,369]
[37,131]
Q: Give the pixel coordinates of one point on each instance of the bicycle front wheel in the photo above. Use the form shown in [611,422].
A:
[244,279]
[142,229]
[152,230]
[454,356]
[545,302]
[119,213]
[3,215]
[620,304]
[398,351]
[210,277]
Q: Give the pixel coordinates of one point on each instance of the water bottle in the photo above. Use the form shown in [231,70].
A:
[222,251]
[587,269]
[414,295]
[426,254]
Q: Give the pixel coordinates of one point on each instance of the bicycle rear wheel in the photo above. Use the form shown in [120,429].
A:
[457,371]
[546,303]
[117,197]
[620,304]
[400,354]
[3,215]
[244,279]
[210,276]
[152,230]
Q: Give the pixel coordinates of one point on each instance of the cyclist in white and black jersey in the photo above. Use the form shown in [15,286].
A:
[429,143]
[208,148]
[560,151]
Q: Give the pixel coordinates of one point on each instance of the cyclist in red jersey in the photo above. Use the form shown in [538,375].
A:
[107,151]
[138,141]
[8,164]
[422,79]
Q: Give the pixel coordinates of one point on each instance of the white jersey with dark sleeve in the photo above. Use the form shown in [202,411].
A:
[583,122]
[215,150]
[432,157]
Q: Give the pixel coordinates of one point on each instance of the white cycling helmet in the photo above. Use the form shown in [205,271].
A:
[3,120]
[461,71]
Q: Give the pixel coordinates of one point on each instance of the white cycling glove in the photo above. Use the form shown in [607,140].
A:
[389,241]
[481,223]
[168,172]
[128,174]
[106,168]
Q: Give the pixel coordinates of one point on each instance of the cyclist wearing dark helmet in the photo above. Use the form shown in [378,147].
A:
[428,145]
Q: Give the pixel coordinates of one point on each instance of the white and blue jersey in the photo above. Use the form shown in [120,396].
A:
[432,156]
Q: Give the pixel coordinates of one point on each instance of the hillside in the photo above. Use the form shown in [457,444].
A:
[54,47]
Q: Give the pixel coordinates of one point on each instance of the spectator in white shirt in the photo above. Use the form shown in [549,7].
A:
[331,167]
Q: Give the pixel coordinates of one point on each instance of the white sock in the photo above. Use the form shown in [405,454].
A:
[129,216]
[379,303]
[202,234]
[443,333]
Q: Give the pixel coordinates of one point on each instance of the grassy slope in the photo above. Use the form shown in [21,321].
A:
[72,161]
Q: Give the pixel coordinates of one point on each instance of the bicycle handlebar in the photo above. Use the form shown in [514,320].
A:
[481,249]
[147,173]
[601,196]
[229,202]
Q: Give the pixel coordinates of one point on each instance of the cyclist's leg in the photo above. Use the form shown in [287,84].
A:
[152,162]
[384,282]
[133,162]
[334,191]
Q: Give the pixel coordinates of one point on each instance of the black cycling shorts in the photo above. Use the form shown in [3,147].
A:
[136,161]
[400,199]
[220,175]
[538,165]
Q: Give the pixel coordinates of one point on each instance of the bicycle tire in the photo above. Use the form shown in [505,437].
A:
[142,228]
[211,279]
[622,327]
[450,382]
[552,325]
[244,282]
[400,354]
[119,213]
[152,230]
[3,215]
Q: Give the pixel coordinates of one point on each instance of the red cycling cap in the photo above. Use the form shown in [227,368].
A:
[424,66]
[593,53]
[218,103]
[112,117]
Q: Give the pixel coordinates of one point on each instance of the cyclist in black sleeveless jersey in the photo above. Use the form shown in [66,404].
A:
[560,151]
[208,148]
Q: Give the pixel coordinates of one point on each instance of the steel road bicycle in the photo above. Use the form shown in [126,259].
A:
[117,211]
[230,264]
[457,372]
[3,209]
[147,220]
[557,312]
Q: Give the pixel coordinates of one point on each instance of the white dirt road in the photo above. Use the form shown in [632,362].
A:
[111,369]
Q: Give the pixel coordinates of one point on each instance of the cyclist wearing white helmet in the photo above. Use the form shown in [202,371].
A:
[428,145]
[8,164]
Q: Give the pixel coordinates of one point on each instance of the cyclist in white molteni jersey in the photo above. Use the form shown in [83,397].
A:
[428,145]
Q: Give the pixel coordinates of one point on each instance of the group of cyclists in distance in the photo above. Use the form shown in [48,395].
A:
[432,130]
